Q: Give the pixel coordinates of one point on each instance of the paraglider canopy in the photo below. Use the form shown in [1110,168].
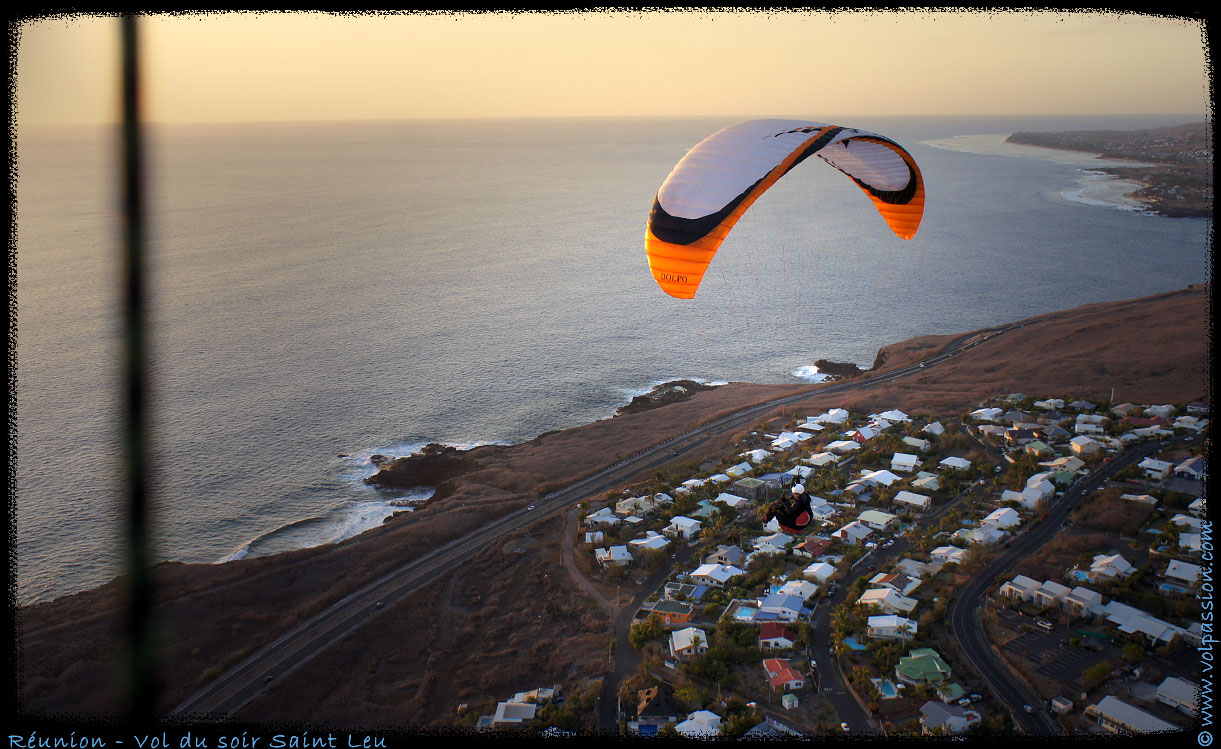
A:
[718,180]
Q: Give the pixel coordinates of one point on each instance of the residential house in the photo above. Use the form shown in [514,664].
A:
[1183,571]
[1003,518]
[934,428]
[1117,716]
[754,456]
[738,471]
[1145,498]
[905,462]
[954,463]
[1109,567]
[618,556]
[781,606]
[727,555]
[852,533]
[688,642]
[1020,587]
[881,477]
[651,540]
[1082,445]
[834,416]
[864,434]
[820,460]
[842,447]
[1155,470]
[1083,601]
[714,575]
[701,724]
[920,444]
[512,714]
[751,487]
[896,581]
[1190,422]
[811,547]
[675,591]
[682,527]
[941,719]
[803,589]
[1090,424]
[1018,437]
[914,569]
[1131,620]
[1038,448]
[1193,469]
[1066,463]
[731,500]
[1180,694]
[877,519]
[1049,404]
[820,571]
[655,707]
[913,502]
[604,516]
[775,543]
[673,612]
[895,416]
[782,676]
[948,554]
[1051,593]
[891,627]
[926,482]
[922,666]
[776,636]
[887,600]
[987,414]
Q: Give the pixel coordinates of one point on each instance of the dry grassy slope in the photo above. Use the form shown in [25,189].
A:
[1152,349]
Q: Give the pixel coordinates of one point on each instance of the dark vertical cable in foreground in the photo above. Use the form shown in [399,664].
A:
[140,677]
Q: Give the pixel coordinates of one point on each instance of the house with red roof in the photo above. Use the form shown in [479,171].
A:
[775,636]
[782,676]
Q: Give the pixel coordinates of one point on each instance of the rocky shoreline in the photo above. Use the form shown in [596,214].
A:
[1178,185]
[480,632]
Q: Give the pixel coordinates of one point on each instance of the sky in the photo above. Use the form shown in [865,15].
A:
[255,67]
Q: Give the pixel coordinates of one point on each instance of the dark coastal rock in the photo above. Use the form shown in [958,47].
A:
[663,395]
[432,466]
[839,369]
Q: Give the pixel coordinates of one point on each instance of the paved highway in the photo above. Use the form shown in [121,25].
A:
[235,688]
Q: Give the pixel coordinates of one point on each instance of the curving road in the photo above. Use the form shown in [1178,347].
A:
[228,693]
[963,612]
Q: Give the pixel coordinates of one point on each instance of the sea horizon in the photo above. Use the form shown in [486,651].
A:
[291,331]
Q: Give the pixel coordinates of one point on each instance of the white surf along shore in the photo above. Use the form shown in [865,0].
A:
[1092,185]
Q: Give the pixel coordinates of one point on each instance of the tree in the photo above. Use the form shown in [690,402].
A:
[1133,653]
[647,631]
[1096,674]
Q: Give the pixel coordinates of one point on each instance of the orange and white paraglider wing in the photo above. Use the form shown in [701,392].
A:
[718,180]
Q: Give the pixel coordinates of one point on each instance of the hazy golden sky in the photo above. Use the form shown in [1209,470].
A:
[311,66]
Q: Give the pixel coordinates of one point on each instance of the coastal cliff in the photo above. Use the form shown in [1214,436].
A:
[509,621]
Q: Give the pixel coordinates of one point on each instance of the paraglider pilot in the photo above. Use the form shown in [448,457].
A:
[793,512]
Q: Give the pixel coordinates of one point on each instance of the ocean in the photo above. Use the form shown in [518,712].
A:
[322,292]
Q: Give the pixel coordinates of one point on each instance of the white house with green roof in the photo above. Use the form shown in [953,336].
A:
[922,666]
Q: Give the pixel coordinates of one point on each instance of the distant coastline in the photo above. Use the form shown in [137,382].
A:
[1097,182]
[1173,164]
